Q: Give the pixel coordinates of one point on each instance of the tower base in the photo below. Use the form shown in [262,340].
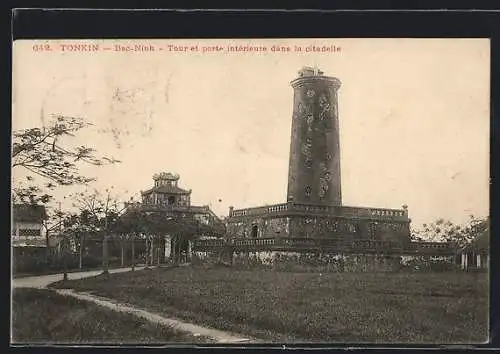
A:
[298,220]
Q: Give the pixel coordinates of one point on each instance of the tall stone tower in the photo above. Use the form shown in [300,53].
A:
[314,170]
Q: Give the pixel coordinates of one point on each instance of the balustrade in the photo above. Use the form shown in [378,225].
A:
[337,244]
[341,211]
[163,206]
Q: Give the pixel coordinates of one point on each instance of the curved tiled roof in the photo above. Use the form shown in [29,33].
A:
[166,175]
[167,189]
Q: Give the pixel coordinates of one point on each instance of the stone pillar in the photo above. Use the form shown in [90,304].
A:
[168,247]
[462,264]
[190,251]
[314,165]
[478,260]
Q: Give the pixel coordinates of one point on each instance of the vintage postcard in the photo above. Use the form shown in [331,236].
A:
[240,191]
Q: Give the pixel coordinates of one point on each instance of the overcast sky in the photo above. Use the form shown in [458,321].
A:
[414,119]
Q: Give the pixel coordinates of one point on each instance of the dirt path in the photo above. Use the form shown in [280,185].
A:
[218,336]
[44,280]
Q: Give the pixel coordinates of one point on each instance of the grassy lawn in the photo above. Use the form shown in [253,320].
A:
[336,307]
[44,317]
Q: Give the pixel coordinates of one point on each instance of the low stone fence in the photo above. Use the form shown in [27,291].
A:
[314,262]
[326,262]
[302,262]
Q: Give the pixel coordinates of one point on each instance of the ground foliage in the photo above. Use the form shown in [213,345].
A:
[459,235]
[445,307]
[44,317]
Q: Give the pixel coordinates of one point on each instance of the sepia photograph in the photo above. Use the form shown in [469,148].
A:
[246,191]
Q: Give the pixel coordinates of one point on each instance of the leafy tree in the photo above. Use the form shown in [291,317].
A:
[79,228]
[457,235]
[471,231]
[157,225]
[41,152]
[103,212]
[180,228]
[135,223]
[98,207]
[130,227]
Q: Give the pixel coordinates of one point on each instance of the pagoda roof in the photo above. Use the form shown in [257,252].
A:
[167,189]
[166,176]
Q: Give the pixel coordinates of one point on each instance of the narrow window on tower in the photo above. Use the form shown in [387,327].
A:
[308,191]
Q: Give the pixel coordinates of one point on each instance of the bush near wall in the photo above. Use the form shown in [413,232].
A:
[205,258]
[428,264]
[304,262]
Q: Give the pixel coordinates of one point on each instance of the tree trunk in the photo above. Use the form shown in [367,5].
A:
[158,251]
[123,254]
[65,264]
[152,253]
[47,243]
[80,260]
[172,249]
[146,259]
[133,253]
[105,255]
[179,251]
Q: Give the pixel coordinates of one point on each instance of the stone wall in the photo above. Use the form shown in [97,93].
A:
[352,228]
[317,226]
[429,263]
[266,227]
[210,258]
[203,257]
[324,263]
[314,262]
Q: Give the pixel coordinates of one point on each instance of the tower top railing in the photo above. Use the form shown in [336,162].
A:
[309,74]
[310,71]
